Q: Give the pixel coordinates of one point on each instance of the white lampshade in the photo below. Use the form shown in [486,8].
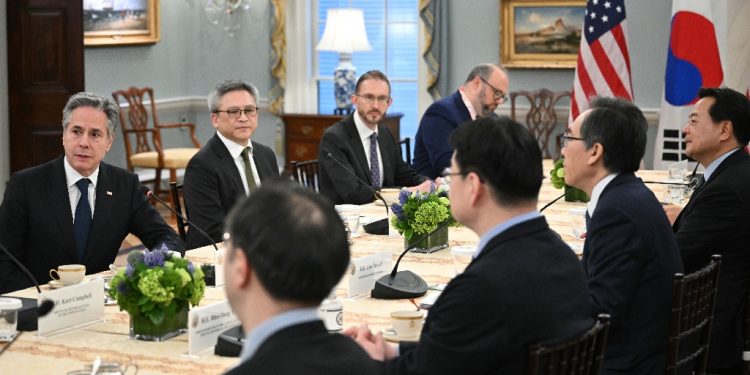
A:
[344,32]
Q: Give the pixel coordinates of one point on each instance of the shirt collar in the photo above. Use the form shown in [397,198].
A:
[72,176]
[362,128]
[263,331]
[502,227]
[467,103]
[598,189]
[235,149]
[711,168]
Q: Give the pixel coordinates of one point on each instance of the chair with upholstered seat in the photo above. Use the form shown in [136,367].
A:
[693,298]
[582,355]
[143,140]
[306,173]
[541,119]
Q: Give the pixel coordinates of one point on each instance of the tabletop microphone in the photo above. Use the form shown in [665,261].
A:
[403,284]
[30,311]
[550,203]
[151,194]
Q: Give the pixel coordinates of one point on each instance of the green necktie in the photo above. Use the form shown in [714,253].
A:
[248,169]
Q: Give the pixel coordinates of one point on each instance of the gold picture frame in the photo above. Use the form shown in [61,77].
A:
[540,33]
[105,26]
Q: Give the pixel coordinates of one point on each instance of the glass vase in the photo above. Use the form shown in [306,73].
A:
[142,328]
[575,195]
[431,244]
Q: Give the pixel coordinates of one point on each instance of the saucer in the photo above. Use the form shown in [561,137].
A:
[54,284]
[390,335]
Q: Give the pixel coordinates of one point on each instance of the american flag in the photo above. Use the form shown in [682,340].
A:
[603,66]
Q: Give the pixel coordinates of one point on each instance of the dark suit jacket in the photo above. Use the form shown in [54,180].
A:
[432,152]
[343,142]
[36,222]
[630,257]
[526,287]
[307,348]
[715,221]
[213,184]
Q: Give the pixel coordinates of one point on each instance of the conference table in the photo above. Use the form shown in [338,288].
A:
[109,340]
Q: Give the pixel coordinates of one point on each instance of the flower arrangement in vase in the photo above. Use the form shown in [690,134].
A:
[155,289]
[572,194]
[417,213]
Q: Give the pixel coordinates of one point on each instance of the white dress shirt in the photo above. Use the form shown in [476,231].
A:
[235,150]
[72,176]
[364,136]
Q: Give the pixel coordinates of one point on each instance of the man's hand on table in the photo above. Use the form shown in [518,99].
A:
[425,186]
[373,344]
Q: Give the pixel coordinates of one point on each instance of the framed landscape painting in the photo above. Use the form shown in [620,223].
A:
[120,22]
[540,33]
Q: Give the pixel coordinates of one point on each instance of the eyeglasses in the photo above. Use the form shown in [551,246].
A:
[567,138]
[496,92]
[237,112]
[369,99]
[448,174]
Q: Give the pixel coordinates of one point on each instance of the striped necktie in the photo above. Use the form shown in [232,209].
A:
[374,165]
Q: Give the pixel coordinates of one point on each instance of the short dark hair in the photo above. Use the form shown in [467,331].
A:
[504,154]
[372,74]
[730,105]
[620,127]
[228,86]
[293,239]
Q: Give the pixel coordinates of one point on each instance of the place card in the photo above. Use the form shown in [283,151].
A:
[75,306]
[205,324]
[363,272]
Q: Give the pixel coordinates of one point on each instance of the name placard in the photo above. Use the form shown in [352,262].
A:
[205,324]
[75,306]
[363,272]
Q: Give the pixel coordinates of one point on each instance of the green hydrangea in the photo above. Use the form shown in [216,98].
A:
[557,175]
[151,287]
[419,213]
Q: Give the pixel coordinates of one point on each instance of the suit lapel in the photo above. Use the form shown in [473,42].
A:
[388,162]
[103,208]
[359,152]
[226,163]
[59,201]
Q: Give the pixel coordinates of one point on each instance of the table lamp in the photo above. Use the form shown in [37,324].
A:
[344,33]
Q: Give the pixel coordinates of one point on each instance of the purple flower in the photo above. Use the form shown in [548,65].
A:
[154,258]
[403,196]
[190,267]
[135,257]
[129,270]
[398,211]
[432,186]
[122,287]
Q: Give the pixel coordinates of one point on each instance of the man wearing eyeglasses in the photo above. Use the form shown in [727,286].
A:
[359,146]
[228,166]
[484,89]
[630,254]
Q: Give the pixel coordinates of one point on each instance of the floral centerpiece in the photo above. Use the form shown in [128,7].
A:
[418,213]
[155,289]
[572,194]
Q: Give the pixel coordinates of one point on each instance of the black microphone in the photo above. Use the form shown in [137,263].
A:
[30,312]
[550,203]
[150,194]
[403,284]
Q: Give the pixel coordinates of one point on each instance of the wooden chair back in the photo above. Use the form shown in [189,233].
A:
[405,150]
[177,200]
[541,119]
[306,173]
[582,355]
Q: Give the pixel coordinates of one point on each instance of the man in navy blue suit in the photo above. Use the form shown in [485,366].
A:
[484,89]
[630,254]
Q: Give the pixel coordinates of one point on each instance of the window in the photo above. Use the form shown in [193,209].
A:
[392,29]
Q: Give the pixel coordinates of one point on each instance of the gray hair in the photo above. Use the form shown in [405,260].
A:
[96,101]
[227,86]
[483,71]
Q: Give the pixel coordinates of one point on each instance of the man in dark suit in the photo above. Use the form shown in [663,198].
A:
[525,286]
[287,250]
[484,89]
[365,149]
[630,255]
[230,165]
[715,219]
[76,209]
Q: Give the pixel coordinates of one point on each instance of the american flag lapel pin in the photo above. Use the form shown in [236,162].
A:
[109,193]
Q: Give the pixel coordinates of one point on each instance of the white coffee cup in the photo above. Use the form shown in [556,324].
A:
[350,215]
[68,274]
[407,323]
[462,256]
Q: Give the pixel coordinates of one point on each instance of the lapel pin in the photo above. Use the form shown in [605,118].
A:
[109,193]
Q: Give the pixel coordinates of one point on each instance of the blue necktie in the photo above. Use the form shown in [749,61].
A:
[82,223]
[374,165]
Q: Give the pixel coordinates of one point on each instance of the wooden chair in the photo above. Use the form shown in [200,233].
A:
[581,356]
[405,150]
[177,200]
[541,119]
[306,173]
[693,298]
[147,150]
